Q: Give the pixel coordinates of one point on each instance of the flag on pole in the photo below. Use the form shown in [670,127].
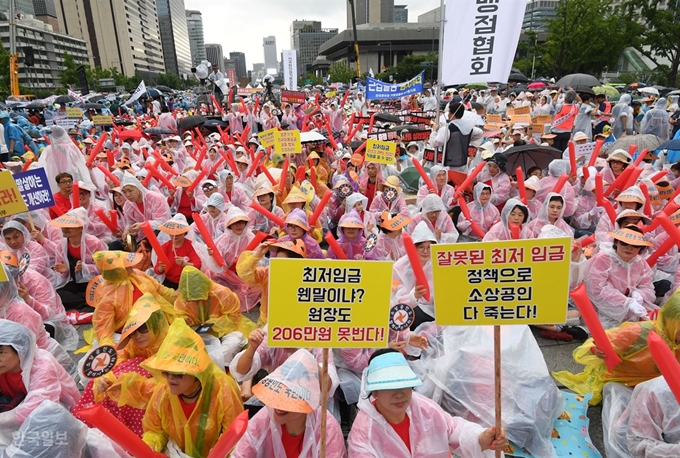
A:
[480,39]
[141,89]
[370,73]
[75,96]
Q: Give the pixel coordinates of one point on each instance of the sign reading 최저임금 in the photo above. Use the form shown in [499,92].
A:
[498,283]
[329,303]
[380,152]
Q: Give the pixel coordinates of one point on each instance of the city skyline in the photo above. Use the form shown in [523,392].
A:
[277,21]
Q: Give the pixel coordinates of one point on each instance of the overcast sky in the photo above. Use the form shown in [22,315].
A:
[241,25]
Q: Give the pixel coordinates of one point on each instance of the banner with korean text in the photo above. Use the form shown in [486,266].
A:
[499,283]
[329,303]
[480,40]
[380,151]
[34,188]
[384,91]
[290,69]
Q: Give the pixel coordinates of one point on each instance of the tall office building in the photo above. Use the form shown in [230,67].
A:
[122,34]
[401,13]
[20,7]
[239,59]
[538,13]
[172,22]
[371,12]
[297,25]
[46,11]
[306,42]
[214,54]
[271,63]
[196,40]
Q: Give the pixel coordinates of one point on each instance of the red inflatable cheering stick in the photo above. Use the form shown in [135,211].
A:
[665,361]
[416,265]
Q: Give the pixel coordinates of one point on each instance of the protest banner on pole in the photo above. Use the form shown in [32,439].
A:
[380,152]
[34,188]
[102,120]
[502,283]
[11,201]
[328,304]
[293,97]
[74,113]
[376,89]
[287,142]
[290,68]
[268,137]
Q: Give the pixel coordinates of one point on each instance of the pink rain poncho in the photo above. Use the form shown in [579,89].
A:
[388,248]
[154,209]
[397,206]
[614,285]
[260,222]
[40,259]
[484,215]
[263,439]
[89,245]
[605,225]
[443,228]
[298,218]
[62,155]
[368,218]
[353,249]
[43,378]
[557,168]
[237,196]
[500,183]
[433,433]
[535,226]
[404,281]
[216,226]
[230,247]
[653,429]
[447,192]
[586,213]
[500,230]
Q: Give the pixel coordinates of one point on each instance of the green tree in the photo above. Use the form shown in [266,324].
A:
[341,73]
[659,33]
[170,79]
[4,70]
[310,77]
[410,66]
[68,76]
[586,36]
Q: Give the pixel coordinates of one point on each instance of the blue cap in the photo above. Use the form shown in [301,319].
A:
[390,371]
[4,115]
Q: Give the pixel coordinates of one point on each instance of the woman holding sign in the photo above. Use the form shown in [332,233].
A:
[395,422]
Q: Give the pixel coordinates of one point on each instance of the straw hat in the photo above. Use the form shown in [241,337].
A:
[295,246]
[235,214]
[620,155]
[628,196]
[630,237]
[263,191]
[580,136]
[633,214]
[393,182]
[73,219]
[176,225]
[393,224]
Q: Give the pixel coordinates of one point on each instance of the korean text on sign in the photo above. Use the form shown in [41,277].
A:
[329,303]
[381,152]
[34,188]
[11,201]
[268,137]
[287,142]
[510,282]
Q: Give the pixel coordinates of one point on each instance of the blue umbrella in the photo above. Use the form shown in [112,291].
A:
[671,144]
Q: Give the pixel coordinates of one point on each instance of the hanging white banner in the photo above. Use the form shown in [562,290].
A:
[141,89]
[480,40]
[290,69]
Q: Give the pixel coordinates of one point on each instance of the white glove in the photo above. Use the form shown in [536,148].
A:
[638,310]
[596,211]
[638,297]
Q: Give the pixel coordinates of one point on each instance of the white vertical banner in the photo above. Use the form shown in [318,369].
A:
[480,40]
[290,69]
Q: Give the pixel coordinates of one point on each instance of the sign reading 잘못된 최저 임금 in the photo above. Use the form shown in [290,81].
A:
[502,282]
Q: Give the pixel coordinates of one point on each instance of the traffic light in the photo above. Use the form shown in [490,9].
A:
[29,58]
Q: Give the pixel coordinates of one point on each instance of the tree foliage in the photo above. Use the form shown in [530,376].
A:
[341,73]
[659,34]
[69,75]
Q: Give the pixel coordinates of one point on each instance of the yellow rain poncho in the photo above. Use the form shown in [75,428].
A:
[113,294]
[249,272]
[630,342]
[183,352]
[202,301]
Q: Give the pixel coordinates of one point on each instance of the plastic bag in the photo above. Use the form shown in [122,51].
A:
[459,375]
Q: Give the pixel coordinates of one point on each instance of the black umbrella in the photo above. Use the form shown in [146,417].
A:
[96,98]
[215,123]
[62,99]
[33,134]
[163,89]
[36,104]
[158,131]
[192,121]
[386,117]
[123,122]
[578,79]
[91,106]
[584,90]
[151,92]
[517,78]
[527,156]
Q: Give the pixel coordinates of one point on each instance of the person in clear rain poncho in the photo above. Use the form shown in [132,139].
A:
[439,177]
[395,422]
[655,121]
[515,213]
[62,155]
[482,211]
[556,169]
[433,214]
[551,213]
[141,206]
